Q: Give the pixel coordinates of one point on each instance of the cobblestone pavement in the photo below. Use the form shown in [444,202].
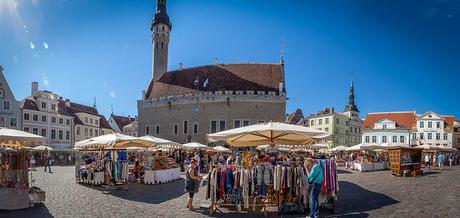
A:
[374,194]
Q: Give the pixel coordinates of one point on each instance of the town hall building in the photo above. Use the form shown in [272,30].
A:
[184,105]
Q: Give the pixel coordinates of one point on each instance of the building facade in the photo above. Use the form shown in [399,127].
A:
[118,122]
[88,123]
[389,128]
[42,115]
[131,129]
[434,130]
[63,122]
[10,111]
[186,104]
[408,129]
[345,127]
[456,135]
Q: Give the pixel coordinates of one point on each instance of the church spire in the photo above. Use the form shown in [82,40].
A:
[161,29]
[351,100]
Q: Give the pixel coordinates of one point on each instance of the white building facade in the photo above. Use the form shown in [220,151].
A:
[10,112]
[434,130]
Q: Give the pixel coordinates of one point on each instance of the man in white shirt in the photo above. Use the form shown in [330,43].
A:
[427,162]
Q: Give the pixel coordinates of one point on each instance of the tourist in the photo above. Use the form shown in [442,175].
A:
[441,161]
[187,162]
[451,159]
[192,182]
[315,179]
[198,158]
[47,157]
[32,162]
[427,162]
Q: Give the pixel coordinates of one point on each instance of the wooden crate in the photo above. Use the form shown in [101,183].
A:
[14,199]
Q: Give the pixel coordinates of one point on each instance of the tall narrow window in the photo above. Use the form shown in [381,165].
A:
[430,124]
[445,136]
[237,124]
[147,130]
[367,139]
[53,134]
[374,139]
[402,139]
[438,136]
[195,128]
[43,133]
[246,122]
[157,130]
[395,139]
[222,125]
[175,129]
[213,126]
[384,139]
[185,127]
[438,125]
[61,135]
[422,124]
[430,135]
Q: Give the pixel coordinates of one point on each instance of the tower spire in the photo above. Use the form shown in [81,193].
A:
[161,28]
[351,100]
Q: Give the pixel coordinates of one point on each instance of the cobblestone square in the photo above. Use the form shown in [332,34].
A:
[373,194]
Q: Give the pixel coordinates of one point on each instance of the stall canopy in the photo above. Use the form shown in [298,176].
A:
[195,145]
[339,148]
[366,147]
[16,139]
[269,133]
[159,142]
[221,149]
[430,148]
[113,140]
[42,148]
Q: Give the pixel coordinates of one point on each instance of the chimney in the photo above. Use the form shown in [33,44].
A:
[67,102]
[332,109]
[60,98]
[181,66]
[34,91]
[136,118]
[143,94]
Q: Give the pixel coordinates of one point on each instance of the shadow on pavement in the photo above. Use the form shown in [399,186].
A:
[343,171]
[40,210]
[354,200]
[152,194]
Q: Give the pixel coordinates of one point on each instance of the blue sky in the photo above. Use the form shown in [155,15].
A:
[405,55]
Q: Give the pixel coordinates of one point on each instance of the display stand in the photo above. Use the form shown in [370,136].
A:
[405,161]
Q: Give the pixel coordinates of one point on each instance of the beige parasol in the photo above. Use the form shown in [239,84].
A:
[17,139]
[269,133]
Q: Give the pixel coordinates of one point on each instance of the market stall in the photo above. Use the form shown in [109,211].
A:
[367,157]
[262,181]
[405,161]
[15,190]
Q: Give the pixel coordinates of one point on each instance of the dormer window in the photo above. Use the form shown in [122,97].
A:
[43,105]
[384,126]
[53,107]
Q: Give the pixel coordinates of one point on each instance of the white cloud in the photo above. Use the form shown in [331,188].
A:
[112,94]
[45,45]
[15,59]
[45,80]
[32,46]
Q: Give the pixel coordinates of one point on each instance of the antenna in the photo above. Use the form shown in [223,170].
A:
[282,51]
[111,108]
[216,60]
[94,104]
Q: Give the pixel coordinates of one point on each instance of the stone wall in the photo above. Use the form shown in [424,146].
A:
[166,113]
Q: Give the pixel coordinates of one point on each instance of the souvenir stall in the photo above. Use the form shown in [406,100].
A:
[258,182]
[104,159]
[367,158]
[160,163]
[15,189]
[339,153]
[405,161]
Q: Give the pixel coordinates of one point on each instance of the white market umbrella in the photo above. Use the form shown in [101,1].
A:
[364,146]
[269,133]
[110,141]
[159,142]
[221,149]
[42,148]
[195,145]
[430,147]
[339,148]
[16,139]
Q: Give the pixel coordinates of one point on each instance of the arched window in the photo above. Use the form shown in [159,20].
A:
[163,28]
[162,46]
[156,45]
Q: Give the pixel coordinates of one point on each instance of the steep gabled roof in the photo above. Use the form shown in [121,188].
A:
[295,117]
[219,77]
[29,104]
[122,121]
[402,119]
[103,123]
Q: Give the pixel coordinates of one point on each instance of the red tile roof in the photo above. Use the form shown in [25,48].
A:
[295,117]
[103,123]
[79,108]
[29,104]
[122,121]
[406,120]
[221,77]
[449,120]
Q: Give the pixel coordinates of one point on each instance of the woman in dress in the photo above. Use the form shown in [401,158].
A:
[192,182]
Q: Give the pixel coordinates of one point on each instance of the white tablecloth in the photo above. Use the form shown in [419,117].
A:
[98,178]
[149,177]
[379,166]
[161,176]
[363,167]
